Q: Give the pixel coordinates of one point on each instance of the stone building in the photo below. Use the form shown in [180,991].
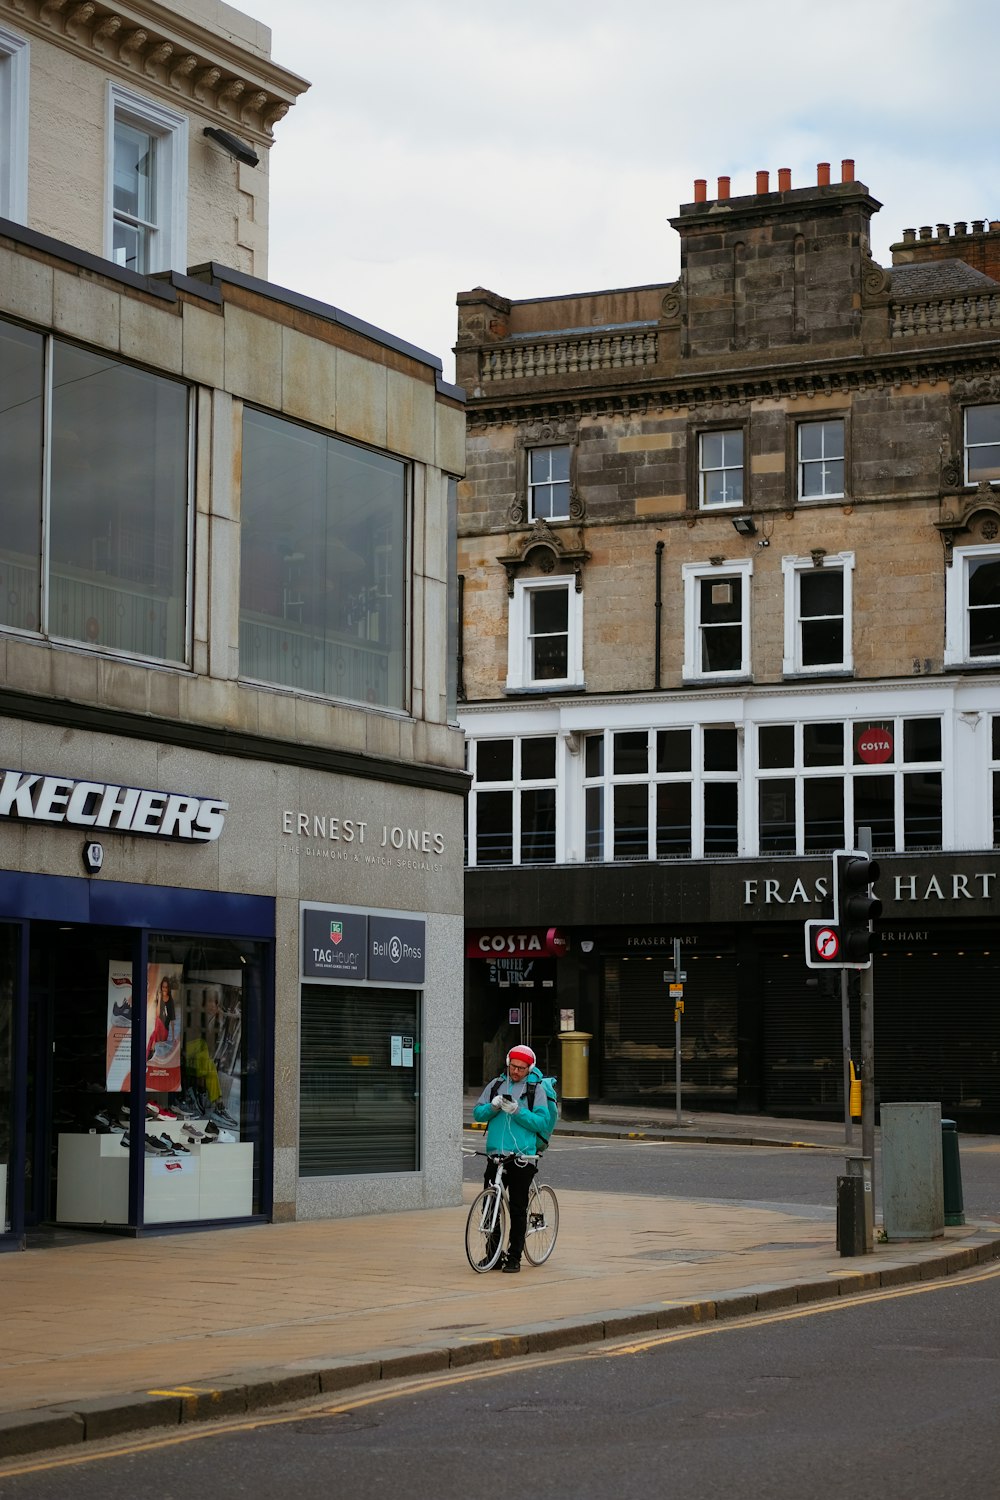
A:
[231,779]
[730,562]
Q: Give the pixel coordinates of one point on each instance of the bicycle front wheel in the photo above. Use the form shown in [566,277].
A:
[543,1224]
[486,1230]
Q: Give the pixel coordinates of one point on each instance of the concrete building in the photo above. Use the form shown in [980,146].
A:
[730,553]
[231,781]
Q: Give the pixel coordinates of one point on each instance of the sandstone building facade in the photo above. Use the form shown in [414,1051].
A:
[231,780]
[730,559]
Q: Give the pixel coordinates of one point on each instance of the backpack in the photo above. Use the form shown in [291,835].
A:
[530,1094]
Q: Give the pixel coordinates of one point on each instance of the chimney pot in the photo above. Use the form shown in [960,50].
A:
[944,231]
[909,235]
[961,227]
[763,179]
[700,189]
[723,187]
[977,226]
[823,174]
[926,232]
[847,169]
[784,179]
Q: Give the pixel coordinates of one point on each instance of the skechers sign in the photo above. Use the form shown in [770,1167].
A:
[31,797]
[353,945]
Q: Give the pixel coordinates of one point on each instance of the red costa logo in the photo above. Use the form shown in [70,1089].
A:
[874,746]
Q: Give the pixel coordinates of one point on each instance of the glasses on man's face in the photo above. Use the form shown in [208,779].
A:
[518,1067]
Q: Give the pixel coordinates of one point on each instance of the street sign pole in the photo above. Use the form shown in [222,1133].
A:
[868,1044]
[678,1012]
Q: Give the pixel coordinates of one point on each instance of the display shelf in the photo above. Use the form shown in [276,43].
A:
[214,1182]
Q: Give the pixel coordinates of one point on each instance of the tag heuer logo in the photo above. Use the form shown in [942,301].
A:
[336,932]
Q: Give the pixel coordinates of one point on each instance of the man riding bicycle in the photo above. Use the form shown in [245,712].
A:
[513,1131]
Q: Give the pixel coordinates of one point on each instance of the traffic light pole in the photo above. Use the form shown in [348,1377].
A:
[845,1027]
[868,1044]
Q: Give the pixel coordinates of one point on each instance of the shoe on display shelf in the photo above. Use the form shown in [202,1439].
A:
[194,1133]
[106,1121]
[167,1114]
[174,1146]
[156,1147]
[219,1115]
[182,1109]
[152,1111]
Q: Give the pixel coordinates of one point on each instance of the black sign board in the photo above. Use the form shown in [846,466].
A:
[396,949]
[334,945]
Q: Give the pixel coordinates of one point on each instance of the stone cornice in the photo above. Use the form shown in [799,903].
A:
[811,380]
[159,50]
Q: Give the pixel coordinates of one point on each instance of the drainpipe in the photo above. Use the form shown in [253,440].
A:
[659,614]
[460,643]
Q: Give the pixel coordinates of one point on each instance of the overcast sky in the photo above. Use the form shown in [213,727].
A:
[539,146]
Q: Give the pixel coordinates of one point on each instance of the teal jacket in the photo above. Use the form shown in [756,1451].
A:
[517,1133]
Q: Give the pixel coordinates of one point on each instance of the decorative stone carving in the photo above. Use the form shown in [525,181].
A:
[976,515]
[546,550]
[876,281]
[670,306]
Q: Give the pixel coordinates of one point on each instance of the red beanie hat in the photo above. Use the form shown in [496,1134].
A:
[521,1055]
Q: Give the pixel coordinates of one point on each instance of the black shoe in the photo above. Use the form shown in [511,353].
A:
[510,1265]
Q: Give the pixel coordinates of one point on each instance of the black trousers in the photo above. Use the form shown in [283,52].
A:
[518,1181]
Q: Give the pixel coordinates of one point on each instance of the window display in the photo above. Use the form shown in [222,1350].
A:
[8,953]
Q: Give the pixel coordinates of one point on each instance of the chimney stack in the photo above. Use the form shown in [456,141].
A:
[784,179]
[700,190]
[823,174]
[847,169]
[763,179]
[723,188]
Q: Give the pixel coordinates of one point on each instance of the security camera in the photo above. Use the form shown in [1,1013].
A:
[233,145]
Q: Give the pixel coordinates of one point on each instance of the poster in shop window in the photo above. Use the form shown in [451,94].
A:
[164,1022]
[163,1028]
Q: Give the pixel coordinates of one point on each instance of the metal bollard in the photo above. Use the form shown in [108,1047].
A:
[954,1205]
[855,1209]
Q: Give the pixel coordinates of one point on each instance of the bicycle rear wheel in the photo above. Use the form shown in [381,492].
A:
[484,1239]
[543,1224]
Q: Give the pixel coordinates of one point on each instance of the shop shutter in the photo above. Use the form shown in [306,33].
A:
[358,1103]
[638,1041]
[803,1039]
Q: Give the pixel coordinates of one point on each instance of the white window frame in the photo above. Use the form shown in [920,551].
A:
[956,637]
[519,646]
[549,484]
[736,504]
[976,447]
[14,73]
[793,569]
[692,575]
[516,786]
[821,462]
[168,246]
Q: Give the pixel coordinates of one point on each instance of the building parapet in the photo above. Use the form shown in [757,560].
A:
[940,316]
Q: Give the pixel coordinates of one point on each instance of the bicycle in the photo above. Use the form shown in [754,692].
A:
[489,1218]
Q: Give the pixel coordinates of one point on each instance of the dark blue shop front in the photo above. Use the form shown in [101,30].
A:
[96,975]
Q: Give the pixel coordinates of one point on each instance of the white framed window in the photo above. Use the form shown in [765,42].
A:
[717,619]
[972,606]
[145,184]
[548,484]
[545,634]
[821,459]
[982,444]
[14,64]
[512,811]
[818,614]
[720,469]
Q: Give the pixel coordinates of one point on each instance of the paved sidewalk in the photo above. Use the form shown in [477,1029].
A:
[116,1335]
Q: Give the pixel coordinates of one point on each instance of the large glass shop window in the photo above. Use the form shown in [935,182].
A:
[8,962]
[200,1138]
[322,572]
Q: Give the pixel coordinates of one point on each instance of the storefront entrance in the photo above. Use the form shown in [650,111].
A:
[87,1138]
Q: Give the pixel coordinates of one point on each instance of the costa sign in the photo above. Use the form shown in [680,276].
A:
[536,942]
[874,746]
[31,797]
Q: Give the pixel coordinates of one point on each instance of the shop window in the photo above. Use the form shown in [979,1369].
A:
[548,484]
[9,935]
[982,443]
[821,460]
[359,1081]
[720,469]
[716,620]
[631,821]
[818,614]
[776,816]
[516,823]
[114,572]
[323,575]
[673,820]
[972,604]
[721,819]
[545,634]
[646,807]
[922,824]
[823,814]
[147,184]
[14,55]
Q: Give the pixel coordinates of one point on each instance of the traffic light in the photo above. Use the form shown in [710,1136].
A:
[856,907]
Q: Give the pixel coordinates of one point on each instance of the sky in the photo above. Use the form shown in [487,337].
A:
[538,147]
